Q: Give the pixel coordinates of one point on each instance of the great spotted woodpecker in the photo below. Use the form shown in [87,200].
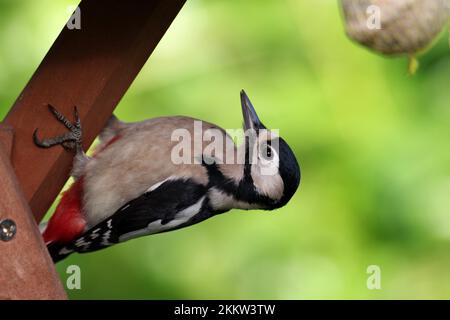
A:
[131,186]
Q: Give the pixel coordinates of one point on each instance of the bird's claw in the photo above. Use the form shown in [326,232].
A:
[70,140]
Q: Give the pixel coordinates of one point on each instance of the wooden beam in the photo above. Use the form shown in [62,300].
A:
[7,138]
[27,270]
[91,68]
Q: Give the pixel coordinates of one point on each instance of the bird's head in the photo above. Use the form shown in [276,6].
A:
[270,164]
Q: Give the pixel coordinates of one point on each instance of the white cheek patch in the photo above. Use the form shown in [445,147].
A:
[269,167]
[265,172]
[269,185]
[156,226]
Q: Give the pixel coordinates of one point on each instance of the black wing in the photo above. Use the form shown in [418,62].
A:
[163,204]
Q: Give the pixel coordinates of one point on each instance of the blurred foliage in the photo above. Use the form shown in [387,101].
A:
[373,144]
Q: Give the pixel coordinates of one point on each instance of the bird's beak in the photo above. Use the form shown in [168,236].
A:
[251,120]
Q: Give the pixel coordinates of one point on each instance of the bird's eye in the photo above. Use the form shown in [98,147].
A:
[269,151]
[266,151]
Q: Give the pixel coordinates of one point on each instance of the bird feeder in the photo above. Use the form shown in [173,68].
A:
[395,27]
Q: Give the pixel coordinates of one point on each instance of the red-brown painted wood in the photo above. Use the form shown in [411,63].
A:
[27,270]
[91,68]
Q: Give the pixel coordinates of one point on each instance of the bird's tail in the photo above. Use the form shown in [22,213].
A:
[55,249]
[58,251]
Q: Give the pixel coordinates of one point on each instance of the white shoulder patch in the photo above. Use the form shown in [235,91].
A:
[156,226]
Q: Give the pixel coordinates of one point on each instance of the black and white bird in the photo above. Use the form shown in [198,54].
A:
[131,186]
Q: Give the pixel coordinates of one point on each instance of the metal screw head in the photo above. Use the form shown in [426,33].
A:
[7,229]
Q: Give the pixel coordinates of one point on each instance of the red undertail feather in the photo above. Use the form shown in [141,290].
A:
[67,223]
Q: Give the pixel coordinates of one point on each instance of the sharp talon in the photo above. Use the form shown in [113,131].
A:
[46,143]
[70,140]
[36,139]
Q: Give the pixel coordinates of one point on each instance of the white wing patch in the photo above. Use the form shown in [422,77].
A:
[156,226]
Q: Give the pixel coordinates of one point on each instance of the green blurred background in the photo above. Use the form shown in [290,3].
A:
[372,142]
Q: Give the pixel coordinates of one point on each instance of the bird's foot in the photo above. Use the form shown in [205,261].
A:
[71,140]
